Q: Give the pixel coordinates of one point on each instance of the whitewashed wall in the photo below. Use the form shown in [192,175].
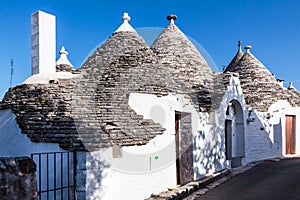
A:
[217,122]
[208,154]
[261,143]
[265,137]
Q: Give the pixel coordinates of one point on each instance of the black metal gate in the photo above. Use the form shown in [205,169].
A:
[55,175]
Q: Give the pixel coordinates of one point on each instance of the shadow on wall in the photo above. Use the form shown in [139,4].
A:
[264,137]
[208,157]
[277,128]
[95,173]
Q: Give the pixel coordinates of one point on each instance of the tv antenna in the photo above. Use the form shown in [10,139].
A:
[11,71]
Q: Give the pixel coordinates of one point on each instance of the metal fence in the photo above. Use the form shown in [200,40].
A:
[55,175]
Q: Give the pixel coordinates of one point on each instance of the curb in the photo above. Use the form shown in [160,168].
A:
[194,189]
[186,190]
[197,188]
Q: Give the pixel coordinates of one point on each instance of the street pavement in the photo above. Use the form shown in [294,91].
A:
[276,180]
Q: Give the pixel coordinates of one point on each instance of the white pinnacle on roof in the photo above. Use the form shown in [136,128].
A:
[291,86]
[125,26]
[247,48]
[172,18]
[63,60]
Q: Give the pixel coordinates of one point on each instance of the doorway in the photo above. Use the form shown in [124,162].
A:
[228,143]
[290,134]
[184,148]
[234,134]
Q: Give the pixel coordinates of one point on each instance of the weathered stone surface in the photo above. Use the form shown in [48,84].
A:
[65,68]
[17,179]
[188,68]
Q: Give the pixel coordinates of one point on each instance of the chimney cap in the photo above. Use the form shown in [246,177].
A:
[247,48]
[171,18]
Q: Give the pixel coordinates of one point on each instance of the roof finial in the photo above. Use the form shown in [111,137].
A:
[240,45]
[63,51]
[63,60]
[125,26]
[291,86]
[172,18]
[247,48]
[126,18]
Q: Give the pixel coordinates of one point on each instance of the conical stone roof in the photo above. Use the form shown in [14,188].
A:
[259,86]
[124,64]
[178,53]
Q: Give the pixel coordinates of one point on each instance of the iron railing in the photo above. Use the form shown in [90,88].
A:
[55,175]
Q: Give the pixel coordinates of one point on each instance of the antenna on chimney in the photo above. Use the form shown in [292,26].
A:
[11,71]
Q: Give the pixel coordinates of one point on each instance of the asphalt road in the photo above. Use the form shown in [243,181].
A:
[269,180]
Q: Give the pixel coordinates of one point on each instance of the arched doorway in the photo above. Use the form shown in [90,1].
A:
[234,133]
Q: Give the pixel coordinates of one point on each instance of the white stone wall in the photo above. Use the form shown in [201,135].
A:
[128,177]
[208,151]
[278,111]
[260,141]
[265,136]
[232,94]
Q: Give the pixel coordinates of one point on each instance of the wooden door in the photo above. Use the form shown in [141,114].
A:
[228,142]
[184,148]
[177,118]
[290,134]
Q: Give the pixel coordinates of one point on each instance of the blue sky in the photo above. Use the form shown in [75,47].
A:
[272,27]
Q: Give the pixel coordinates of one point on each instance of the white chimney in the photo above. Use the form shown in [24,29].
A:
[43,43]
[280,82]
